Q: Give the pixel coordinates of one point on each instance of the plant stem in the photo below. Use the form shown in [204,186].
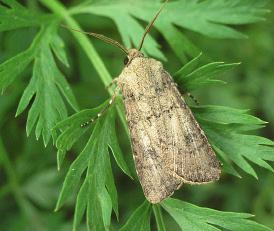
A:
[58,9]
[159,218]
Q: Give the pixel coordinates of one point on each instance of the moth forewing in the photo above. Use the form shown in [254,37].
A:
[169,147]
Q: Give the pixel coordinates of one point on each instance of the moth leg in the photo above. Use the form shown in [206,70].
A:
[187,94]
[103,110]
[114,81]
[193,98]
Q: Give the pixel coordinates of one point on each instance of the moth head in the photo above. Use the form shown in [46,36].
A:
[132,54]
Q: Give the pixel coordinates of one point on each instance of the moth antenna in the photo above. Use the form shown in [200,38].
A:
[101,37]
[149,26]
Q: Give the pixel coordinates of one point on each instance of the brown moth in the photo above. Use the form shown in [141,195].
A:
[169,147]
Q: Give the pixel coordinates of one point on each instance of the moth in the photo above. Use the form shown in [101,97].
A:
[169,147]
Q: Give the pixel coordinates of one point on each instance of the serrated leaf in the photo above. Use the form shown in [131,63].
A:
[225,162]
[193,218]
[13,67]
[139,219]
[110,185]
[13,16]
[191,77]
[102,193]
[99,205]
[46,86]
[115,149]
[226,115]
[58,47]
[77,168]
[188,67]
[211,18]
[224,128]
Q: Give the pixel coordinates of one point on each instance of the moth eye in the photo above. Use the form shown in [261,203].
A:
[126,60]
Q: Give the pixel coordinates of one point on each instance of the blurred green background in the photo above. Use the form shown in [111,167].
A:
[29,180]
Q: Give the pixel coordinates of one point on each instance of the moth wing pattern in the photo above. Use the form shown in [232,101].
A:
[169,147]
[156,180]
[193,158]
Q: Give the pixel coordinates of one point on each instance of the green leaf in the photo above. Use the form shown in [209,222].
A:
[58,47]
[193,218]
[116,150]
[13,16]
[226,115]
[11,68]
[190,78]
[139,219]
[99,182]
[99,205]
[46,84]
[224,128]
[77,168]
[211,18]
[72,131]
[159,217]
[110,185]
[81,204]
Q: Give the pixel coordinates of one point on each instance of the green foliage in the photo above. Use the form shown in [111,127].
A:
[223,126]
[21,16]
[47,81]
[139,219]
[90,174]
[210,18]
[190,77]
[191,217]
[226,136]
[46,84]
[98,192]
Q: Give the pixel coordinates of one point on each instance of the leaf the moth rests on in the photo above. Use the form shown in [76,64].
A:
[226,162]
[193,76]
[193,218]
[224,129]
[188,67]
[225,115]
